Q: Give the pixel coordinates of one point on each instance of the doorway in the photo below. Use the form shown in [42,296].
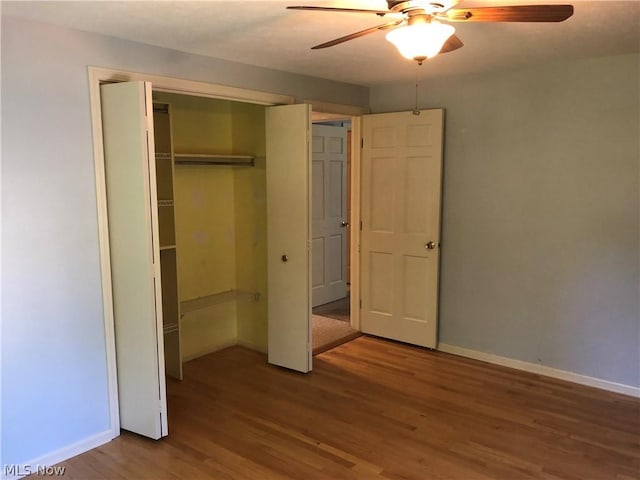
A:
[331,233]
[220,232]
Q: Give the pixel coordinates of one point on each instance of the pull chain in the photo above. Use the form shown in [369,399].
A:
[416,111]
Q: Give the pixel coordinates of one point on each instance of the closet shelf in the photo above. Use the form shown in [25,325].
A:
[213,159]
[201,303]
[167,247]
[163,156]
[165,203]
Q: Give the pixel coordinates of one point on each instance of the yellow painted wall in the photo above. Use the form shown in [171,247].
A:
[205,221]
[220,222]
[248,133]
[200,125]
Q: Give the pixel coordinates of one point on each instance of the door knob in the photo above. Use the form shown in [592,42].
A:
[344,224]
[430,245]
[284,258]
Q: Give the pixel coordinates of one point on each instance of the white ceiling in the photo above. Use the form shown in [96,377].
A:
[264,33]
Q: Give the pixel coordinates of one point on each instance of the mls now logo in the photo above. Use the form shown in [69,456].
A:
[24,470]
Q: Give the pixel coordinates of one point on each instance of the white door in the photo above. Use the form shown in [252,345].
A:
[329,214]
[127,126]
[289,235]
[401,193]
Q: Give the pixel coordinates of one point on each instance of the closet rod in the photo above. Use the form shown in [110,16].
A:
[205,159]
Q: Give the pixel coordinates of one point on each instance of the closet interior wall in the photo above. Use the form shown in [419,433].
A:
[220,224]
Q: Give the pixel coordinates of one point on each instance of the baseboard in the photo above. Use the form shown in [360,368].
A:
[541,370]
[39,465]
[207,351]
[251,346]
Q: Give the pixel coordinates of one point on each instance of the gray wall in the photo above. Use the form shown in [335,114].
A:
[541,213]
[54,377]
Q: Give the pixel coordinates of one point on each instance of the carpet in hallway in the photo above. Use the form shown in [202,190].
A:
[339,309]
[328,333]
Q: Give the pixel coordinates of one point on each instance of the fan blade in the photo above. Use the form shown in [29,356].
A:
[357,34]
[452,43]
[380,13]
[517,13]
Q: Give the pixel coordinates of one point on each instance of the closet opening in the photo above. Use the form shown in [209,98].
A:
[211,174]
[141,188]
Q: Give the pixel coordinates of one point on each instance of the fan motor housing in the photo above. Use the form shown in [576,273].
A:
[404,6]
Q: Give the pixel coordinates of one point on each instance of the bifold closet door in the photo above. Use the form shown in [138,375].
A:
[289,235]
[127,126]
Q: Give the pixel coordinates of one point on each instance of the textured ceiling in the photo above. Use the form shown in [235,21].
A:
[264,33]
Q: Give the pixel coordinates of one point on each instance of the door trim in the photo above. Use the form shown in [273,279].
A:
[188,87]
[356,195]
[99,75]
[335,110]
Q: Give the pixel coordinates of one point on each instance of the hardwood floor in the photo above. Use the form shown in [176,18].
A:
[373,409]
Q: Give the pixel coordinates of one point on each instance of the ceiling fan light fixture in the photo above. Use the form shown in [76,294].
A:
[421,40]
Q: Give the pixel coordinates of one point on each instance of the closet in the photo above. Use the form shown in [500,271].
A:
[210,157]
[188,202]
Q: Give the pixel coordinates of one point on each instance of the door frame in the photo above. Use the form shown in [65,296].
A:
[100,75]
[349,112]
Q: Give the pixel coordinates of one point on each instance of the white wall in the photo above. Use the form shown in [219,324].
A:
[540,257]
[54,379]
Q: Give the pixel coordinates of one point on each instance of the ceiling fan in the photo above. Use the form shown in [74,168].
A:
[417,31]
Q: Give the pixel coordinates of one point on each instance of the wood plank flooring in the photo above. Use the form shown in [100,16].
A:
[374,409]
